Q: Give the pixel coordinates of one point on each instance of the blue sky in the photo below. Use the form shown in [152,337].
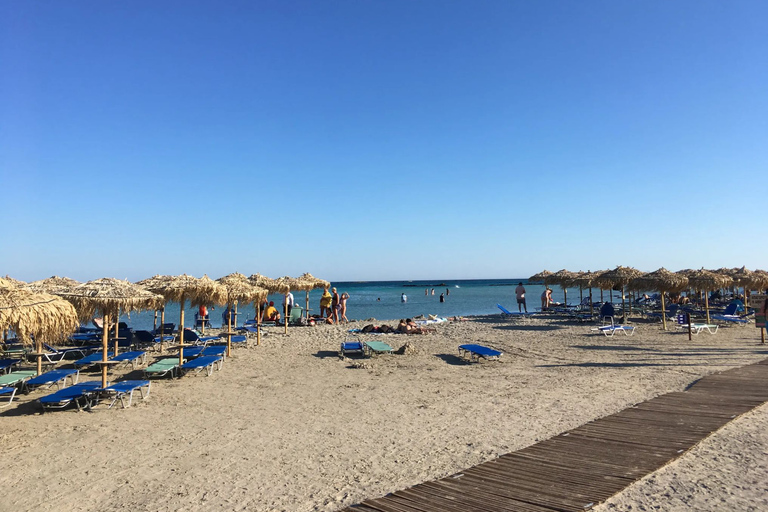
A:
[365,140]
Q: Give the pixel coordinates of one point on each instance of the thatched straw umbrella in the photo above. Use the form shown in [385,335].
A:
[311,282]
[540,277]
[239,288]
[706,281]
[183,287]
[564,278]
[52,285]
[272,286]
[759,280]
[620,276]
[587,280]
[39,315]
[661,280]
[9,281]
[286,284]
[743,277]
[108,296]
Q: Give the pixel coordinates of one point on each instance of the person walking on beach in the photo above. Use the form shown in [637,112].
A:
[335,299]
[343,307]
[520,294]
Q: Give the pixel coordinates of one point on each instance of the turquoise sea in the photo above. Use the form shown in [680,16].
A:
[381,300]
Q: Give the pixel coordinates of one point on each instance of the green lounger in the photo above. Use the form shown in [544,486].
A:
[377,347]
[16,379]
[162,367]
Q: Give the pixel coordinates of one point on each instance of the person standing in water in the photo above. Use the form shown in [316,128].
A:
[403,297]
[442,297]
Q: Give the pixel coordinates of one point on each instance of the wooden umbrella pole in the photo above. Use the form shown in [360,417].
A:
[663,313]
[762,335]
[229,330]
[104,349]
[285,311]
[581,294]
[565,297]
[623,307]
[706,305]
[181,330]
[39,344]
[235,314]
[162,328]
[117,325]
[591,303]
[258,324]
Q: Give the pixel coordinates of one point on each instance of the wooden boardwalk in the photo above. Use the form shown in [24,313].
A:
[585,466]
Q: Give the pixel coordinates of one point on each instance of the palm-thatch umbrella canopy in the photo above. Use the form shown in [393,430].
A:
[663,281]
[587,280]
[287,284]
[108,296]
[311,283]
[239,289]
[53,285]
[743,277]
[38,315]
[620,276]
[540,277]
[564,278]
[9,282]
[179,289]
[759,280]
[705,280]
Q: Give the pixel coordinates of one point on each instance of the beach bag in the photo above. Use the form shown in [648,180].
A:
[385,329]
[368,328]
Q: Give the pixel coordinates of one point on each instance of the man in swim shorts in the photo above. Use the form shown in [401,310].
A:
[520,294]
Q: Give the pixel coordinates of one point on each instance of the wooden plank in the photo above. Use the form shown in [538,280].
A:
[573,471]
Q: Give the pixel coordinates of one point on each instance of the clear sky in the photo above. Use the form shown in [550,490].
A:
[366,140]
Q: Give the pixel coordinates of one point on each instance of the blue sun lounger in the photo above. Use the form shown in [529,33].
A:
[63,397]
[217,350]
[201,363]
[6,365]
[119,391]
[57,377]
[90,359]
[132,357]
[10,392]
[729,318]
[475,352]
[351,347]
[519,314]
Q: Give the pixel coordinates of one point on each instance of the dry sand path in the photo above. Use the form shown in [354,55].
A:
[288,426]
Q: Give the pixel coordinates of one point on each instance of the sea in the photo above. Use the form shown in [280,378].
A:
[382,300]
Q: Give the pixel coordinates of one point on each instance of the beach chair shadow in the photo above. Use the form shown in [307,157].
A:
[452,359]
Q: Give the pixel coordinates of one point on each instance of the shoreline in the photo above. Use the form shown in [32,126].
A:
[325,435]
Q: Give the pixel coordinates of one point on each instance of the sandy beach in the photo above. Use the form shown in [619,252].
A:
[289,426]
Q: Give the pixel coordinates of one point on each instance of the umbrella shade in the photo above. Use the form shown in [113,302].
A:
[706,281]
[40,315]
[9,282]
[662,280]
[109,296]
[620,276]
[316,282]
[239,288]
[759,280]
[540,277]
[53,285]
